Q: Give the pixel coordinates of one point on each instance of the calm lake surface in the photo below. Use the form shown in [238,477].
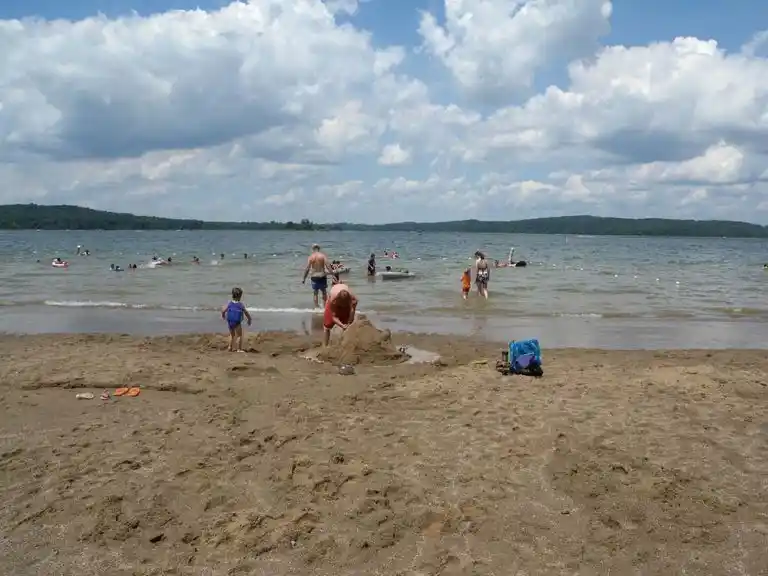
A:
[623,292]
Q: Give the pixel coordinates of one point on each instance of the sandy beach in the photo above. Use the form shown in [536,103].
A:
[268,463]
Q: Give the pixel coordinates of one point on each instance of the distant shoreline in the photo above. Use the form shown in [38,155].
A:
[65,217]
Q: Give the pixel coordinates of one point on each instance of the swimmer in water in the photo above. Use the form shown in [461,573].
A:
[372,265]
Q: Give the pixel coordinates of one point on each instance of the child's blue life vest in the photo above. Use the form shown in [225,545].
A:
[234,313]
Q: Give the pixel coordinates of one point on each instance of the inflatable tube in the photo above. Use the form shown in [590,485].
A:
[521,264]
[396,275]
[341,270]
[60,264]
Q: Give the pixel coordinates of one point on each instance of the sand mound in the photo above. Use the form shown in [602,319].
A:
[363,343]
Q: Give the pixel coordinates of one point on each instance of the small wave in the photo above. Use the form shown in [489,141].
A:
[90,304]
[573,315]
[740,311]
[288,310]
[108,304]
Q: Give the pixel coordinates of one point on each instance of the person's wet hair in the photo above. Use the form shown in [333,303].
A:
[344,296]
[237,293]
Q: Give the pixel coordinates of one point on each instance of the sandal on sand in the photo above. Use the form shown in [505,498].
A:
[133,392]
[105,395]
[121,391]
[84,396]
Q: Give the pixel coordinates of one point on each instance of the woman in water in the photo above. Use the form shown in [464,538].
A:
[482,274]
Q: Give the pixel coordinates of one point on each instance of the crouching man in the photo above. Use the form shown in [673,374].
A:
[340,310]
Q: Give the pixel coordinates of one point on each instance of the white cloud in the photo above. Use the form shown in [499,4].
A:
[493,47]
[278,109]
[110,88]
[756,44]
[394,155]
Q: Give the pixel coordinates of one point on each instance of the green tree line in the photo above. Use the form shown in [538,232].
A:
[33,216]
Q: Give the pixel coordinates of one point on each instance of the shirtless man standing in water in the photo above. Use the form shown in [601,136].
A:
[318,268]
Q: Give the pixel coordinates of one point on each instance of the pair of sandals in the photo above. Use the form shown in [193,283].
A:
[132,392]
[125,391]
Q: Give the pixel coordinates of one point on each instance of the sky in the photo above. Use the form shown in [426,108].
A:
[387,110]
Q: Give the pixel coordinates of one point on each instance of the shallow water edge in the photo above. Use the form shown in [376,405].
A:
[568,332]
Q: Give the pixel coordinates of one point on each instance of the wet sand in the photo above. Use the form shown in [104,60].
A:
[267,463]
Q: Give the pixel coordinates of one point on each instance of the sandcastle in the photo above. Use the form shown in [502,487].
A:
[363,343]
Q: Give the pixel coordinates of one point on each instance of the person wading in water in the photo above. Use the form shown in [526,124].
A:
[318,268]
[482,274]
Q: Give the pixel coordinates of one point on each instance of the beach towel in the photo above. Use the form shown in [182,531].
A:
[525,357]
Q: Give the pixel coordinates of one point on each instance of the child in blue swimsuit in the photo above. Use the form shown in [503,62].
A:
[233,313]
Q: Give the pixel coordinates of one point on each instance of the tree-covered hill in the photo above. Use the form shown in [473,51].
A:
[33,216]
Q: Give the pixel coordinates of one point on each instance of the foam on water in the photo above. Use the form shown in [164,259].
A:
[107,304]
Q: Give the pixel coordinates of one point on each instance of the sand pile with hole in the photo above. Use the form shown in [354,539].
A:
[363,343]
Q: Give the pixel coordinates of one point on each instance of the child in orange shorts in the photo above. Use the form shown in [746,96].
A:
[466,283]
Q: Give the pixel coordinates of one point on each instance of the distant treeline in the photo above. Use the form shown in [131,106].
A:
[33,216]
[37,217]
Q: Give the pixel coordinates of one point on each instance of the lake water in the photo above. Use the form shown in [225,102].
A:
[623,292]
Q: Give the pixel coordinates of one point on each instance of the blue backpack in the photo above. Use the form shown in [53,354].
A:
[525,358]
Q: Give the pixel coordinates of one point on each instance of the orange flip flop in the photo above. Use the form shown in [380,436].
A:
[133,392]
[121,391]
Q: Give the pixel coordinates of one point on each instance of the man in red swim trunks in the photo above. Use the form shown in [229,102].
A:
[339,310]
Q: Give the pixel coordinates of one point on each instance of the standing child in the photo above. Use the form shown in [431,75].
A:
[233,313]
[466,283]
